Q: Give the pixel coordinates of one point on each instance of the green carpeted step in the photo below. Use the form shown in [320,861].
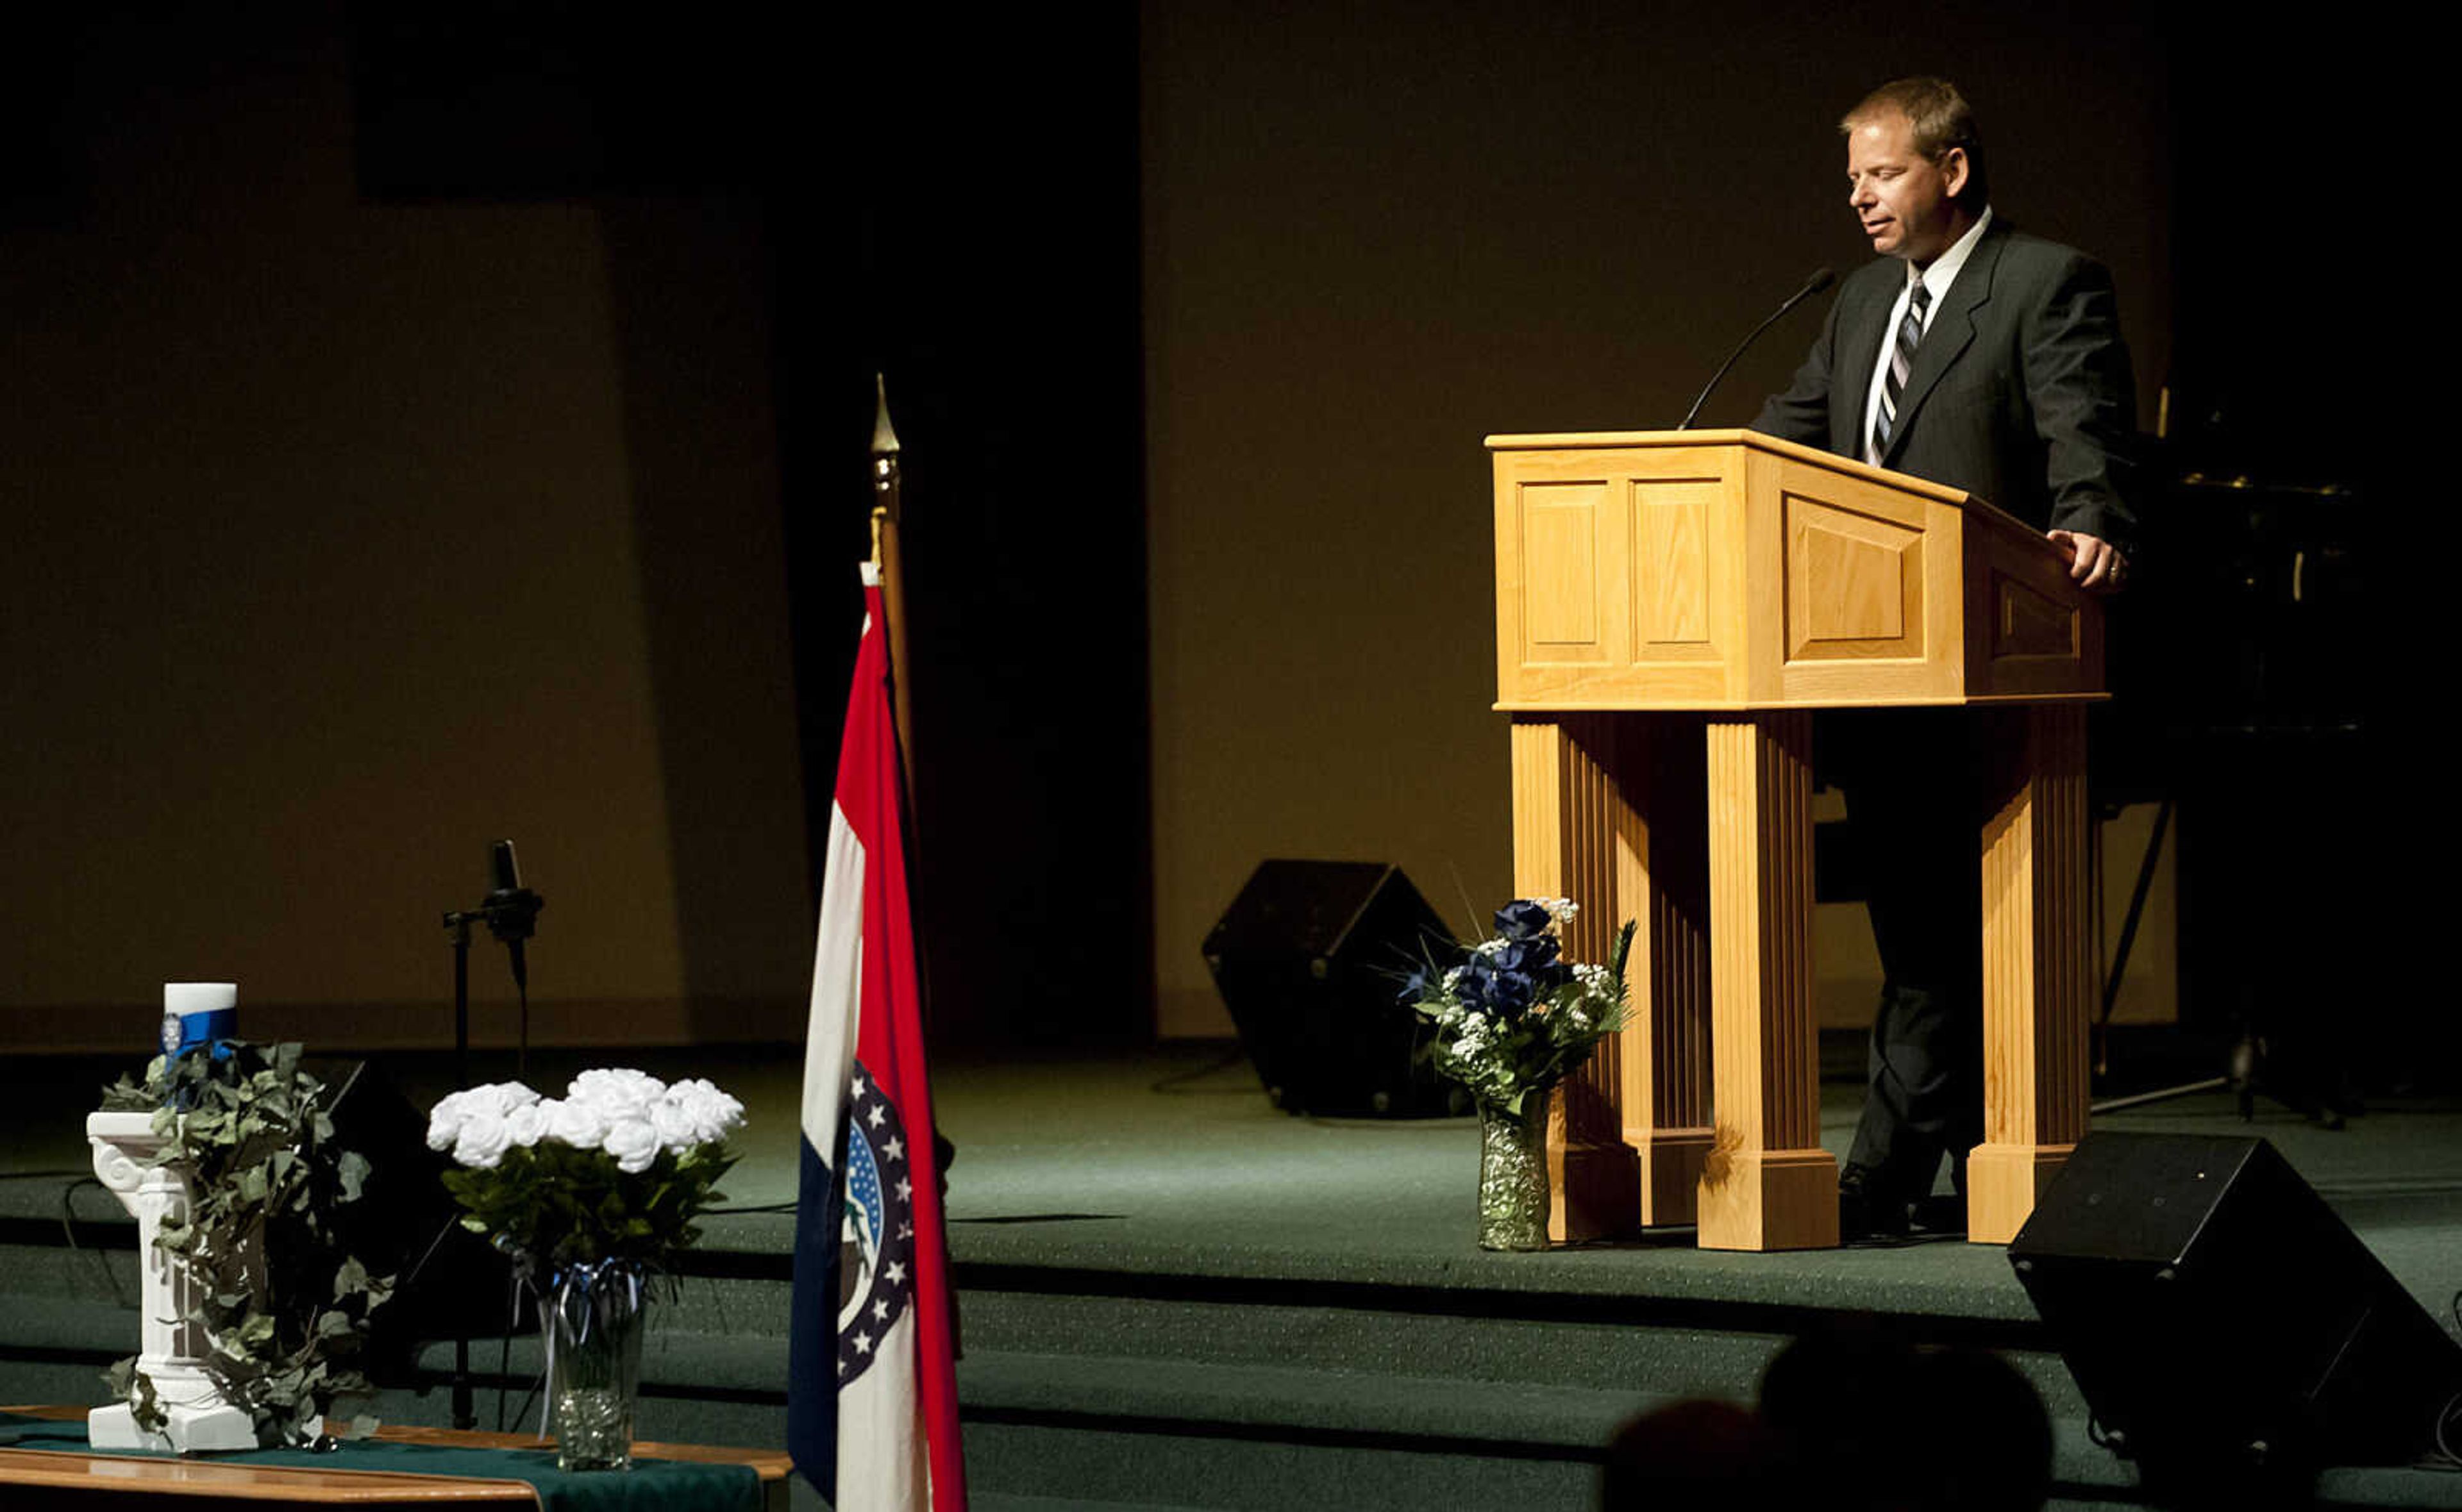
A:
[994,1501]
[56,1324]
[1097,1465]
[1267,1400]
[1609,1355]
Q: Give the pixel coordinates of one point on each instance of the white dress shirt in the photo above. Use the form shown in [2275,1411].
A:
[1936,278]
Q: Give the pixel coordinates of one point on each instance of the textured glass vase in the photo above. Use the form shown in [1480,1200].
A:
[595,1315]
[1513,1176]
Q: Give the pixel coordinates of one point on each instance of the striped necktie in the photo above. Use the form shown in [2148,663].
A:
[1902,358]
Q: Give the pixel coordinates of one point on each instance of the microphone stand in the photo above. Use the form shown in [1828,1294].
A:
[1821,279]
[465,1412]
[510,913]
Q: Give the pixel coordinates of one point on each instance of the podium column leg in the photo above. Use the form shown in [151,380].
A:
[1767,1184]
[1628,1131]
[1663,884]
[2038,967]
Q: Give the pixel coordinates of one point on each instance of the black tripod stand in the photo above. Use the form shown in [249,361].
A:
[2245,1072]
[510,911]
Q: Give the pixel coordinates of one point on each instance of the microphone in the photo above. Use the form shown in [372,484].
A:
[1821,279]
[511,910]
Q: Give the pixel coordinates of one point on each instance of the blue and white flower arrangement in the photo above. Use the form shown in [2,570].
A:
[1512,1016]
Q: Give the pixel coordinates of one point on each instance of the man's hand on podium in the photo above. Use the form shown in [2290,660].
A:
[2097,565]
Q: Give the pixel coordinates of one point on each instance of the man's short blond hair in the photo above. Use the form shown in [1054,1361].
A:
[1942,120]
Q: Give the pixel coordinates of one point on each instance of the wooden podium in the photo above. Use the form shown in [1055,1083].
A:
[1670,609]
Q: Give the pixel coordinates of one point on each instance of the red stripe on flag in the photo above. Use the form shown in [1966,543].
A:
[889,1037]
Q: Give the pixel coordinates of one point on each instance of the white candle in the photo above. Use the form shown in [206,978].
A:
[185,997]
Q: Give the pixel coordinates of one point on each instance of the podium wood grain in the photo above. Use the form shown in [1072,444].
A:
[1628,1131]
[1669,604]
[2037,972]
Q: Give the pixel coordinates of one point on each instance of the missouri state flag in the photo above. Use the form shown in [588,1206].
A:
[872,1383]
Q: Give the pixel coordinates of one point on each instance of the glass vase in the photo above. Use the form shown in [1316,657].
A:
[1513,1196]
[593,1319]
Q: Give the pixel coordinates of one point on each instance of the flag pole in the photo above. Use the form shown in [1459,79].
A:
[871,1399]
[887,559]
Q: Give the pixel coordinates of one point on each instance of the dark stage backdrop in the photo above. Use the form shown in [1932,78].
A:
[358,516]
[431,424]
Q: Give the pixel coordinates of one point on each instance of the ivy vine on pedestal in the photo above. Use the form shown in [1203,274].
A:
[284,1306]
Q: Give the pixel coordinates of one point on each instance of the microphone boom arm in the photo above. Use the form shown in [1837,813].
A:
[1821,279]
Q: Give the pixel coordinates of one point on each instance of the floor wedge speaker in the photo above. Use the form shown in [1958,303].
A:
[2223,1323]
[405,1224]
[1309,958]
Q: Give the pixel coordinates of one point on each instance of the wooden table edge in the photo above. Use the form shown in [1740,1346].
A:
[210,1477]
[71,1469]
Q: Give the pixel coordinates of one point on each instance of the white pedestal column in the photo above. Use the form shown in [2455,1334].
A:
[173,1351]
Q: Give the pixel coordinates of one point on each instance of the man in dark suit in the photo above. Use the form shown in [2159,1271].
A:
[1975,356]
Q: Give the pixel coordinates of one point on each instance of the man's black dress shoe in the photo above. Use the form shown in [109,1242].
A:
[1942,1215]
[1862,1213]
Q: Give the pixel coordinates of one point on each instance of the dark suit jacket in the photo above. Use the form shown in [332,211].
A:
[2019,394]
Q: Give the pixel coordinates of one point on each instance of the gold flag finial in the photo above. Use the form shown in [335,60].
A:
[884,465]
[886,554]
[884,436]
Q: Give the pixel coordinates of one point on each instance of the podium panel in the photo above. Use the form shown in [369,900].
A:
[1726,569]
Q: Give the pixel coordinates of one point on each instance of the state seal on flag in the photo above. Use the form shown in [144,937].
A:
[876,1239]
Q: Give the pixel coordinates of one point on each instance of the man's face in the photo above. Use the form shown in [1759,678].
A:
[1902,197]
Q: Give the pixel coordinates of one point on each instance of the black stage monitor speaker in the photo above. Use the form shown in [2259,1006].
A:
[2219,1318]
[1309,958]
[405,1224]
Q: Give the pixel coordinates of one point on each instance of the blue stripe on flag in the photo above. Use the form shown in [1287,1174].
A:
[812,1328]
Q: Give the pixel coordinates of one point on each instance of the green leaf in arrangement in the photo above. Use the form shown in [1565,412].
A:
[243,1127]
[145,1406]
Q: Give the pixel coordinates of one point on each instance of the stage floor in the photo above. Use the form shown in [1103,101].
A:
[1172,1161]
[1170,1287]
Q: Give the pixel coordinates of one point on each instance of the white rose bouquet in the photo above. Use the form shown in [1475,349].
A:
[615,1168]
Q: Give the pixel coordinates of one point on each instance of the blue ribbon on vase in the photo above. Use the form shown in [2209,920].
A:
[582,1294]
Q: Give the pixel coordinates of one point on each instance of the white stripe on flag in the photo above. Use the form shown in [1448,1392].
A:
[881,1463]
[837,985]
